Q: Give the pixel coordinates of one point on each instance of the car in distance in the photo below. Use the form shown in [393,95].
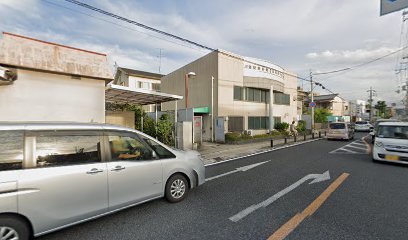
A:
[54,175]
[340,130]
[362,126]
[391,143]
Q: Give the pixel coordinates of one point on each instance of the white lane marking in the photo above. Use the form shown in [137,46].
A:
[347,150]
[351,146]
[266,151]
[317,178]
[358,143]
[240,169]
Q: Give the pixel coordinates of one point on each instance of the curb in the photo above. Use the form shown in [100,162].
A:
[266,151]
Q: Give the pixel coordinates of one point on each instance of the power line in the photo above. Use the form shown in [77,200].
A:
[361,64]
[139,24]
[165,33]
[119,25]
[175,37]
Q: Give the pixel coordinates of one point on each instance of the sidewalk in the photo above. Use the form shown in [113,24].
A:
[218,152]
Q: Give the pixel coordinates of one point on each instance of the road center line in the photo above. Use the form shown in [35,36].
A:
[294,222]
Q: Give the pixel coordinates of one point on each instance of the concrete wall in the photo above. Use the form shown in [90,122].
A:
[126,119]
[37,96]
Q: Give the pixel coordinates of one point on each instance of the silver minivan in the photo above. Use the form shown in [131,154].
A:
[54,175]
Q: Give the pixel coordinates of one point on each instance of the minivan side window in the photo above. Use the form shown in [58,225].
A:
[11,150]
[63,150]
[161,151]
[125,147]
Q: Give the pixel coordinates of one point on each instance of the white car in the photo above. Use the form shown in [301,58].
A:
[391,142]
[362,126]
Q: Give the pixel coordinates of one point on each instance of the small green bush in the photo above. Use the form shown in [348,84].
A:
[232,136]
[301,127]
[282,126]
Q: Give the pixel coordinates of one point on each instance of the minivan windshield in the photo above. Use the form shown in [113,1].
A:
[337,126]
[399,132]
[361,122]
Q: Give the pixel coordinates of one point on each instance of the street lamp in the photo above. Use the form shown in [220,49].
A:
[186,77]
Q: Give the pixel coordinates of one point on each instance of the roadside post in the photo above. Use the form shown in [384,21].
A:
[320,134]
[295,138]
[286,140]
[304,136]
[271,143]
[312,134]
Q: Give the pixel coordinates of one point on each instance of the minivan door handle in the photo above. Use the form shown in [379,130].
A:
[94,171]
[118,168]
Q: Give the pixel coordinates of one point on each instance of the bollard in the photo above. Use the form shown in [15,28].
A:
[295,138]
[312,135]
[271,143]
[304,136]
[325,133]
[286,140]
[320,134]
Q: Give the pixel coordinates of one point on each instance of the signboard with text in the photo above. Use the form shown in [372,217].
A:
[389,6]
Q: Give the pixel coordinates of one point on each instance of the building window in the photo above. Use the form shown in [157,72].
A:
[256,123]
[281,99]
[238,93]
[235,124]
[277,120]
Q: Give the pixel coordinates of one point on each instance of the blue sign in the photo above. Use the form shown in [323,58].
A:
[312,104]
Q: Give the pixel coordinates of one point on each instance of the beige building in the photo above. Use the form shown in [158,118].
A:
[337,105]
[52,82]
[238,88]
[139,80]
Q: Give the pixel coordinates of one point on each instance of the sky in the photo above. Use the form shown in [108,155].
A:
[301,36]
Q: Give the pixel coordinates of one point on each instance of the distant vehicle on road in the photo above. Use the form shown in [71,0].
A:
[391,143]
[362,126]
[375,128]
[54,175]
[340,130]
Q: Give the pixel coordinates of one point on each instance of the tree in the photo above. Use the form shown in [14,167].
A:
[321,114]
[381,106]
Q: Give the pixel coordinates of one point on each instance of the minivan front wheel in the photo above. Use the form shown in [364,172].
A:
[12,228]
[176,188]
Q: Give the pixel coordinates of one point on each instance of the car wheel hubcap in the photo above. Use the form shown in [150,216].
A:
[178,188]
[7,233]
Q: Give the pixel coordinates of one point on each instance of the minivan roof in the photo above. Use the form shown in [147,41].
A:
[60,126]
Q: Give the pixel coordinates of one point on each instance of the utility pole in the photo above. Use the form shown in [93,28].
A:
[160,58]
[312,100]
[370,101]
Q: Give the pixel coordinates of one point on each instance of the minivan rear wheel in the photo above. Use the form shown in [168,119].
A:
[176,188]
[12,228]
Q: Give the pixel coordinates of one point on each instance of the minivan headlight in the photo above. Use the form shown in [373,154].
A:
[379,144]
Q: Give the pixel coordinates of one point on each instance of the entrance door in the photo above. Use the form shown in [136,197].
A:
[219,130]
[198,129]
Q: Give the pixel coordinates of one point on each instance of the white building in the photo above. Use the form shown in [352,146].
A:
[235,91]
[52,82]
[358,109]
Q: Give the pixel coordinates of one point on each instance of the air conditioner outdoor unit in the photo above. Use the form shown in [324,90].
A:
[249,132]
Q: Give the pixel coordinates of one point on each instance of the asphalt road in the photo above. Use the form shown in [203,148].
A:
[369,204]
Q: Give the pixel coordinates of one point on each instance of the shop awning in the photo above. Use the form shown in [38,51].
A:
[122,94]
